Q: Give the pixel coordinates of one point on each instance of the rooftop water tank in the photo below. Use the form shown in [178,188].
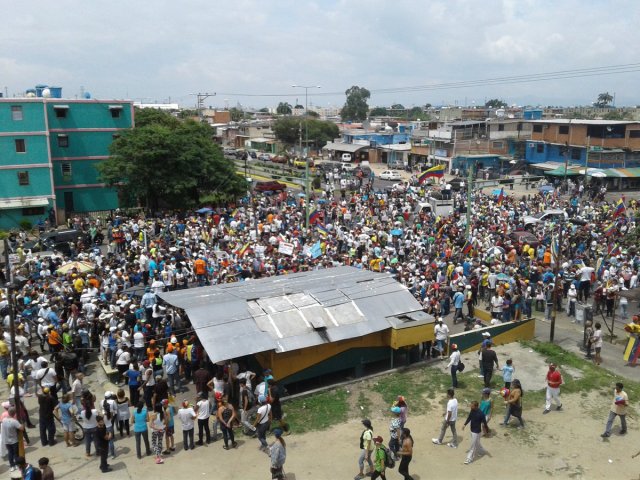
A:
[39,89]
[56,92]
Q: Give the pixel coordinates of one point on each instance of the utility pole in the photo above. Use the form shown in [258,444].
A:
[201,97]
[306,159]
[470,182]
[556,281]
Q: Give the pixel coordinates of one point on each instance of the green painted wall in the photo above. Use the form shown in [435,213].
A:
[88,114]
[39,183]
[32,116]
[89,199]
[35,150]
[83,172]
[81,144]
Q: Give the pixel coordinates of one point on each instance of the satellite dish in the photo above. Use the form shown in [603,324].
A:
[46,93]
[31,95]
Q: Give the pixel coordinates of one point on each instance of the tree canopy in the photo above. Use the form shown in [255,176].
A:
[604,100]
[163,161]
[495,103]
[379,112]
[284,108]
[288,130]
[355,107]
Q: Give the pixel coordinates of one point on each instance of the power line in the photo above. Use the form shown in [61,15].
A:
[507,80]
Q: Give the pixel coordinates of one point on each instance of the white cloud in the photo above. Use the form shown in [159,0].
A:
[159,49]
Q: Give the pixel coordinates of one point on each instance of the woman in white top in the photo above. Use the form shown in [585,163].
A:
[89,424]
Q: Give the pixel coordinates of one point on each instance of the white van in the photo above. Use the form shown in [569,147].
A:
[346,157]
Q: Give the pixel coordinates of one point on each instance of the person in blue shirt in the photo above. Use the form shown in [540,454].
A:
[458,303]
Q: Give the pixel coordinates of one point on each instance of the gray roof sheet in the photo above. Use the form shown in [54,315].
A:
[295,311]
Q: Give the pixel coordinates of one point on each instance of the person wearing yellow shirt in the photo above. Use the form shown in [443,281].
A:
[78,285]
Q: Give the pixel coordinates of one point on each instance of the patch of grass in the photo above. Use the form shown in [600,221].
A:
[415,385]
[319,411]
[593,377]
[364,406]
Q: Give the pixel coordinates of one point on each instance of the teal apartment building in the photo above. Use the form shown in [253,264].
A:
[49,149]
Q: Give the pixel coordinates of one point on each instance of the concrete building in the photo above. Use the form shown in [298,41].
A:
[49,150]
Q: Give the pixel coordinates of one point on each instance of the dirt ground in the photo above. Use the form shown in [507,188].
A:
[562,444]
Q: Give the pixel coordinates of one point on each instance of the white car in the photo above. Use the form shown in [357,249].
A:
[391,175]
[546,216]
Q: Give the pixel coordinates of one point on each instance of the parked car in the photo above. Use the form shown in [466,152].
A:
[521,238]
[326,167]
[365,169]
[270,186]
[391,175]
[265,157]
[229,151]
[279,159]
[302,163]
[554,215]
[59,240]
[347,167]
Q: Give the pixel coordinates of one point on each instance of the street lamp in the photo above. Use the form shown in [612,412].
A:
[306,139]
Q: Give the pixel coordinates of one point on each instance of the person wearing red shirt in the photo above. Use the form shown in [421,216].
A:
[554,380]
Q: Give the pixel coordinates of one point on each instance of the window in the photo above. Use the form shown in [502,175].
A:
[63,141]
[498,145]
[61,110]
[634,133]
[66,170]
[575,154]
[23,178]
[501,127]
[537,128]
[115,110]
[16,112]
[563,130]
[20,145]
[540,147]
[31,211]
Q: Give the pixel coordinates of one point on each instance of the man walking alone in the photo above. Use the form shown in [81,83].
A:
[554,380]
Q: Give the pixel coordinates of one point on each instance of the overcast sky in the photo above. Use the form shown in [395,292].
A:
[161,50]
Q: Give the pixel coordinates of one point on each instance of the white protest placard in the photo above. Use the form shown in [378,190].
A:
[285,248]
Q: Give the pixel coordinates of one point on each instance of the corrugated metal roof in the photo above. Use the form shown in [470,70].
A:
[343,147]
[296,311]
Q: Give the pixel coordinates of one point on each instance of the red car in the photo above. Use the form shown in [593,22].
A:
[270,187]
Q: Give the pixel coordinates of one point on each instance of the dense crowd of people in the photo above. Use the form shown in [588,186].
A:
[109,303]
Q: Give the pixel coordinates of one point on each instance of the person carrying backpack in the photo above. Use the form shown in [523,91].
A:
[29,472]
[382,459]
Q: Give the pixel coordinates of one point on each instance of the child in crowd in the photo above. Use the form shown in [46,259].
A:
[486,407]
[507,373]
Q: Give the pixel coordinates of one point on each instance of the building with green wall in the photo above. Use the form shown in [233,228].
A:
[49,149]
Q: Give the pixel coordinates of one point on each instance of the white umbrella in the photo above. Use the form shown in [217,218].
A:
[599,174]
[495,251]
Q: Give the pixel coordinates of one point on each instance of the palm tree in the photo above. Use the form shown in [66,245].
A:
[604,99]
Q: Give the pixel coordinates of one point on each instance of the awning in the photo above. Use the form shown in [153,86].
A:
[25,202]
[560,172]
[546,165]
[115,107]
[343,147]
[61,107]
[397,147]
[623,172]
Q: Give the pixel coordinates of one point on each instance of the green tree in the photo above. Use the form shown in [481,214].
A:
[379,112]
[264,110]
[604,100]
[185,113]
[495,103]
[616,115]
[313,114]
[284,108]
[166,162]
[417,113]
[288,130]
[397,106]
[355,107]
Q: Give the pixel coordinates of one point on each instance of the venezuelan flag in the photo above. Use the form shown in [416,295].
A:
[314,217]
[609,229]
[435,172]
[467,247]
[322,229]
[242,250]
[620,209]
